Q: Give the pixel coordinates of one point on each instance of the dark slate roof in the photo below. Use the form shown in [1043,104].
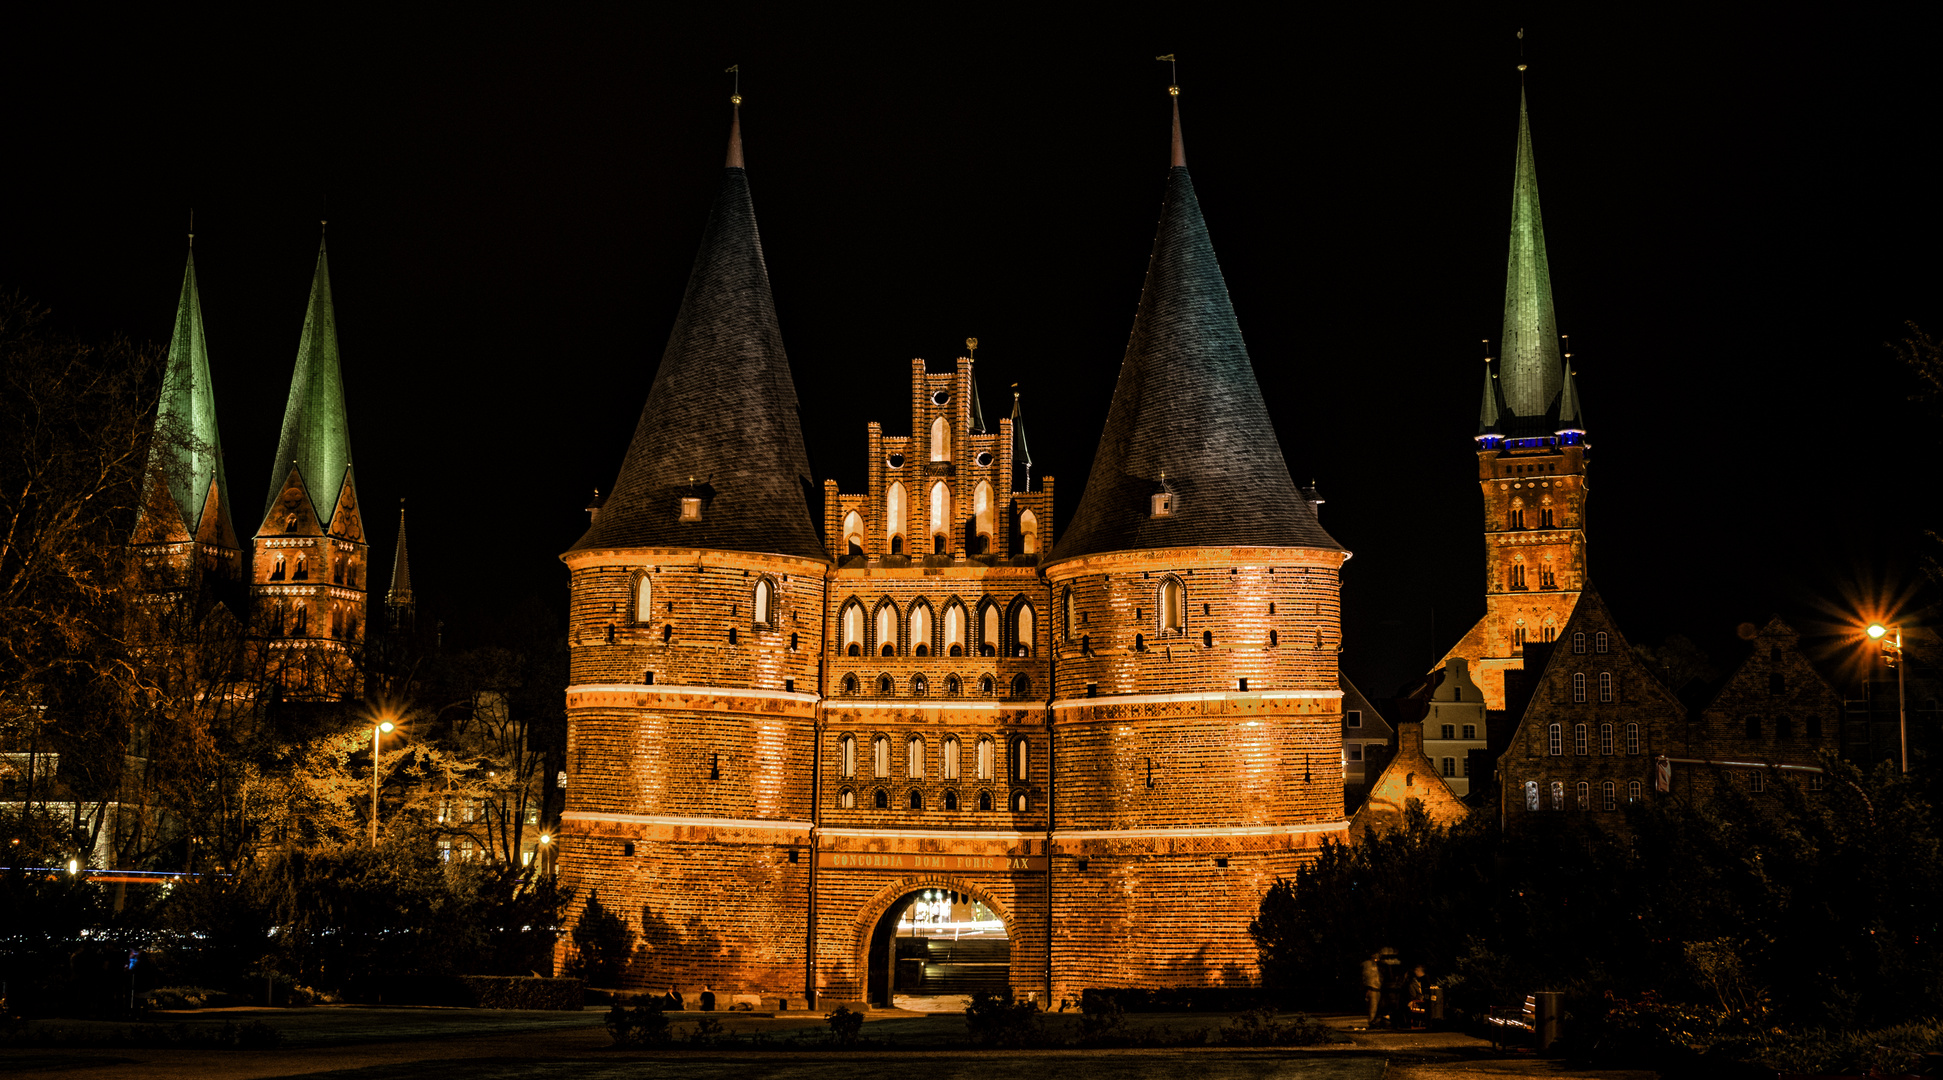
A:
[1188,408]
[316,431]
[721,420]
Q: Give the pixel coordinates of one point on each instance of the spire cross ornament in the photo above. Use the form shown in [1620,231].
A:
[971,348]
[735,93]
[1521,48]
[1173,74]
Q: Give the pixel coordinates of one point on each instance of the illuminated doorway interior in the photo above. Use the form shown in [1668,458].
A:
[933,948]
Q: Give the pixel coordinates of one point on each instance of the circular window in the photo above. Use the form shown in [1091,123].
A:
[895,461]
[942,397]
[984,457]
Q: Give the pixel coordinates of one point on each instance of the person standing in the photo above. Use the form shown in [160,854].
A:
[1372,986]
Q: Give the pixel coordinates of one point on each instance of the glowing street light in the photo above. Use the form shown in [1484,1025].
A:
[1892,654]
[377,732]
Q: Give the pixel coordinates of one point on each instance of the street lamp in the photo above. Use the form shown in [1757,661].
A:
[376,732]
[1892,654]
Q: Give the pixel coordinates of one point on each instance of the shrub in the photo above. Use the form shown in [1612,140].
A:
[1002,1022]
[644,1025]
[845,1026]
[1259,1027]
[1101,1017]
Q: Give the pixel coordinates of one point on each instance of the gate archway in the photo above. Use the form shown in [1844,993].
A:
[937,939]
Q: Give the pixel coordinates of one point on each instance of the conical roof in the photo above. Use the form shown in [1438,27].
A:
[190,455]
[316,431]
[721,420]
[1021,454]
[1571,415]
[401,569]
[1487,415]
[1530,364]
[1188,414]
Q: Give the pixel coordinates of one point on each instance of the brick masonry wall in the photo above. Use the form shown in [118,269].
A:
[1796,718]
[935,725]
[850,903]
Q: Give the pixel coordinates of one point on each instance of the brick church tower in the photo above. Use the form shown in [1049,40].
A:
[307,575]
[1532,451]
[1196,712]
[696,628]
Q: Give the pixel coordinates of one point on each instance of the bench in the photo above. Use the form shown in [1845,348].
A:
[1506,1025]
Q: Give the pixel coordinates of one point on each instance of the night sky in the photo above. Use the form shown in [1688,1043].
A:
[1738,215]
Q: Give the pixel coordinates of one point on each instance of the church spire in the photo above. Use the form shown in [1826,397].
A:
[1487,417]
[316,433]
[1188,418]
[717,460]
[1021,456]
[1530,366]
[189,454]
[398,599]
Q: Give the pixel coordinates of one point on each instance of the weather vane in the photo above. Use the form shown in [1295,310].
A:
[1521,48]
[1173,74]
[971,348]
[735,94]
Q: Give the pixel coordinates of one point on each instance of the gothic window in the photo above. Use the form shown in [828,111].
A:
[1578,739]
[1605,739]
[894,516]
[276,574]
[1021,802]
[982,761]
[920,686]
[1021,685]
[1632,791]
[886,686]
[1632,738]
[1578,686]
[1020,772]
[1549,631]
[853,629]
[952,686]
[1609,794]
[886,640]
[940,440]
[954,629]
[1517,513]
[302,572]
[1066,612]
[1172,605]
[764,601]
[984,800]
[985,685]
[940,514]
[1578,642]
[1518,636]
[920,629]
[337,571]
[849,686]
[1274,639]
[1554,740]
[1025,636]
[951,800]
[881,799]
[914,758]
[1599,642]
[1758,780]
[847,799]
[988,630]
[1605,687]
[880,756]
[1517,575]
[853,533]
[643,597]
[1028,533]
[847,756]
[1140,643]
[948,759]
[982,518]
[1585,795]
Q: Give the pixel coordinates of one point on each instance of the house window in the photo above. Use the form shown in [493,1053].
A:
[1450,766]
[1632,738]
[1605,687]
[1449,731]
[1758,781]
[1353,718]
[920,629]
[948,758]
[880,756]
[1578,739]
[763,601]
[1632,791]
[1554,740]
[1610,795]
[1020,771]
[1558,794]
[983,761]
[1599,642]
[1584,793]
[847,756]
[1355,751]
[914,758]
[1578,686]
[1605,739]
[1777,683]
[1578,643]
[1172,606]
[1531,795]
[847,799]
[1470,731]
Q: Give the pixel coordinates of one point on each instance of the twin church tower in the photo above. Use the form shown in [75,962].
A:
[783,739]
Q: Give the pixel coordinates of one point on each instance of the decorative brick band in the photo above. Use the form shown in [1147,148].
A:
[1139,706]
[693,829]
[710,699]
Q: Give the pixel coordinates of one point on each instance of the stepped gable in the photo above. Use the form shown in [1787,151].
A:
[190,460]
[316,431]
[721,421]
[1187,415]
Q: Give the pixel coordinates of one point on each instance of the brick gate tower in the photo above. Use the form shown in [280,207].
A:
[1196,710]
[1532,450]
[696,623]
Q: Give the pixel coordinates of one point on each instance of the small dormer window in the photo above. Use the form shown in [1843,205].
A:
[1161,504]
[691,508]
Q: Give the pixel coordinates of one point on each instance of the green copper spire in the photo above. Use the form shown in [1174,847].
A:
[1571,415]
[316,434]
[190,456]
[1530,364]
[1487,415]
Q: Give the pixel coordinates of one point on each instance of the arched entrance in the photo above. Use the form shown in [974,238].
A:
[932,947]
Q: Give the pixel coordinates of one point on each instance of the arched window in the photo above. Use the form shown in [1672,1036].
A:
[276,573]
[847,799]
[920,686]
[847,756]
[302,573]
[1579,739]
[954,629]
[881,799]
[1558,794]
[951,800]
[1025,636]
[1578,686]
[983,761]
[853,533]
[1555,740]
[1584,793]
[988,630]
[1605,739]
[985,685]
[853,629]
[984,800]
[337,621]
[917,799]
[1021,685]
[849,686]
[763,602]
[894,512]
[948,759]
[643,597]
[940,440]
[953,687]
[1605,686]
[1066,612]
[1021,802]
[1028,533]
[1754,729]
[1578,642]
[886,640]
[1632,791]
[1517,513]
[914,758]
[1599,641]
[920,629]
[1274,639]
[880,756]
[1207,640]
[1020,761]
[1140,643]
[1609,791]
[886,686]
[1172,606]
[940,514]
[982,517]
[1632,738]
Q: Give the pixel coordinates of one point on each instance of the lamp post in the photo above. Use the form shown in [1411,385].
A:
[376,732]
[1892,652]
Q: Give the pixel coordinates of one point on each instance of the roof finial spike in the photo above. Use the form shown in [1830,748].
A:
[1179,156]
[971,348]
[735,122]
[192,226]
[1521,49]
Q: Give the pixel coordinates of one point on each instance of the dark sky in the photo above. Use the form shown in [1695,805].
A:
[1738,216]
